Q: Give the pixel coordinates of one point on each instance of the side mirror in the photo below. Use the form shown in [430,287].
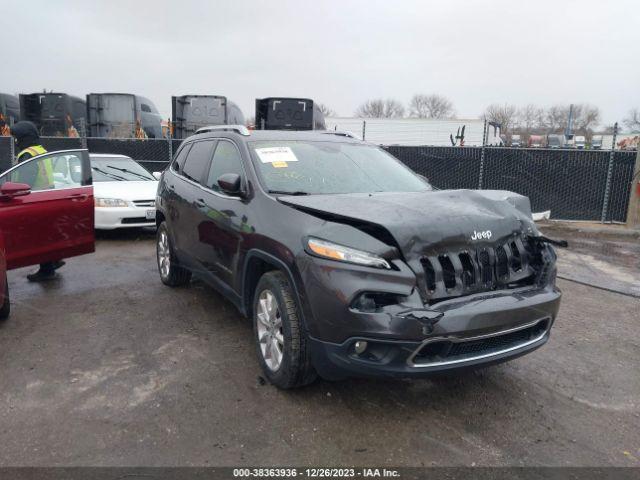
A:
[10,189]
[230,183]
[157,175]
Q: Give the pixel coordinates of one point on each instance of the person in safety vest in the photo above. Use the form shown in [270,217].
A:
[39,175]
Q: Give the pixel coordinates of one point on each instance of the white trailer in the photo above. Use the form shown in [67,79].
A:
[416,131]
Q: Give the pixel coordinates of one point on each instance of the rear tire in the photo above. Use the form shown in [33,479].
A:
[170,272]
[281,343]
[5,310]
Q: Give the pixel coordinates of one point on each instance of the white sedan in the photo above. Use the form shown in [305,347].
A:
[125,193]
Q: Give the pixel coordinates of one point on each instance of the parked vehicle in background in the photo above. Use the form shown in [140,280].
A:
[117,115]
[54,114]
[556,141]
[5,302]
[348,262]
[596,142]
[516,141]
[9,108]
[579,141]
[191,112]
[629,143]
[569,141]
[43,219]
[284,113]
[536,141]
[124,192]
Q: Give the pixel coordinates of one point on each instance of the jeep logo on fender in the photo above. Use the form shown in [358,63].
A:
[486,235]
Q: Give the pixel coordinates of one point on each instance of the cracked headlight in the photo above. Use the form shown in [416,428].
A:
[110,202]
[333,251]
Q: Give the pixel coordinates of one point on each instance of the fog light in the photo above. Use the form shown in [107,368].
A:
[360,347]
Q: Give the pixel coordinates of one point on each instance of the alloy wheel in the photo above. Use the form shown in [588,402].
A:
[164,254]
[269,325]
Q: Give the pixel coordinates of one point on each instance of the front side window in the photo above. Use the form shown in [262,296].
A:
[198,160]
[226,159]
[50,172]
[331,167]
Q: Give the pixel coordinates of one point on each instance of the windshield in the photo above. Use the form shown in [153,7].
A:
[118,169]
[303,167]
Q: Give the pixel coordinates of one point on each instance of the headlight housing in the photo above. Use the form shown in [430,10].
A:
[333,251]
[110,202]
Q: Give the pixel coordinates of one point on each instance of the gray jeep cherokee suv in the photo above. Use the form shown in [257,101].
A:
[349,263]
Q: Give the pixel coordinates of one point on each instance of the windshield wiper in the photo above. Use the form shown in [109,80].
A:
[284,192]
[129,171]
[112,175]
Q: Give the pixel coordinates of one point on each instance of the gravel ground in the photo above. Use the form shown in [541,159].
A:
[106,366]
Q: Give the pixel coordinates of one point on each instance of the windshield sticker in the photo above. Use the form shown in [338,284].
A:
[276,154]
[279,164]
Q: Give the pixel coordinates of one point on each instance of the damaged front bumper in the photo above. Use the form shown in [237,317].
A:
[410,339]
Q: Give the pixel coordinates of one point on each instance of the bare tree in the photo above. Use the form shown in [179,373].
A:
[632,120]
[529,119]
[555,118]
[326,111]
[585,118]
[430,106]
[502,114]
[380,108]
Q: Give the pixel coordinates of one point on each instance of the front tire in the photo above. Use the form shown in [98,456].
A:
[6,305]
[170,272]
[281,344]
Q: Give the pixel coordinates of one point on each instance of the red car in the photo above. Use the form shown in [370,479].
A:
[46,209]
[5,306]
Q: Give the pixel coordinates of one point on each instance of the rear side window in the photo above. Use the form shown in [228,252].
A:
[178,163]
[226,160]
[197,160]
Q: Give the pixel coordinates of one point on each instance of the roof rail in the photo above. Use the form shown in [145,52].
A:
[241,129]
[340,133]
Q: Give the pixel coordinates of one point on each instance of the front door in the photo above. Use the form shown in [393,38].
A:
[223,219]
[55,219]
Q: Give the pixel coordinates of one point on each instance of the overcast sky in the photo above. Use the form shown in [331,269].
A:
[340,53]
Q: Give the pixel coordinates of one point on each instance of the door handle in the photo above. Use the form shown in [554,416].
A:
[171,187]
[78,197]
[199,203]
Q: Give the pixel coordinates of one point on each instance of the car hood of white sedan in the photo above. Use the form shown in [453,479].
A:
[126,190]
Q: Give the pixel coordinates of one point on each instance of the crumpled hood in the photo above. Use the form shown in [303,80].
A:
[427,223]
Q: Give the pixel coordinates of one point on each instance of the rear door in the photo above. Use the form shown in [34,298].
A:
[188,200]
[56,219]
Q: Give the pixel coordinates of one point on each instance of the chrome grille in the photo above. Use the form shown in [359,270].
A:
[515,262]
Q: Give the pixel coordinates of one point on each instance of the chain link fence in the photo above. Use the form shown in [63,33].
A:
[573,184]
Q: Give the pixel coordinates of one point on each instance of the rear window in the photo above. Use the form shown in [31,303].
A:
[197,160]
